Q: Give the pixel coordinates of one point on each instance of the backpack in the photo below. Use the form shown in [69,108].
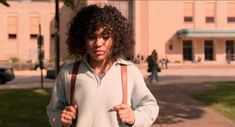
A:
[123,75]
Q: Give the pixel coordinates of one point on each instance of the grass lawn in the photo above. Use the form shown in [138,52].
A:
[24,107]
[222,98]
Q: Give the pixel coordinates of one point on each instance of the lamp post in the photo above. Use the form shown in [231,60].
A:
[41,53]
[57,38]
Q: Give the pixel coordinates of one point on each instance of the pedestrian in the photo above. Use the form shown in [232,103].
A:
[153,66]
[164,62]
[229,56]
[137,59]
[101,39]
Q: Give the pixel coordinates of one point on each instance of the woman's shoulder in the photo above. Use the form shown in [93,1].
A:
[67,65]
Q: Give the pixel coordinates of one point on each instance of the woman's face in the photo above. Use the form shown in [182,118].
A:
[99,45]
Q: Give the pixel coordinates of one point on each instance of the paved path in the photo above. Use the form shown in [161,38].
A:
[177,108]
[27,79]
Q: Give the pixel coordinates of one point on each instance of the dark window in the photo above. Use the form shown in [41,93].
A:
[188,19]
[230,49]
[12,36]
[171,47]
[52,36]
[231,19]
[210,19]
[208,50]
[33,36]
[187,50]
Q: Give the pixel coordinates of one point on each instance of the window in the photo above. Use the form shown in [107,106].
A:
[188,12]
[52,28]
[124,6]
[12,36]
[187,50]
[12,27]
[230,49]
[188,19]
[208,50]
[231,13]
[231,19]
[33,36]
[210,19]
[34,22]
[210,13]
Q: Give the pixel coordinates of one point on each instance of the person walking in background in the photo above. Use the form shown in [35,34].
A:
[153,66]
[164,62]
[101,39]
[229,56]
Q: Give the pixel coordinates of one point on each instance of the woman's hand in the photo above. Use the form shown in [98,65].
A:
[68,115]
[125,113]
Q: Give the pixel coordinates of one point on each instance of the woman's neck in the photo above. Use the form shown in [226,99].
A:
[100,67]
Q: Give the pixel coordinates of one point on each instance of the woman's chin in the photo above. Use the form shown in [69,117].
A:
[99,58]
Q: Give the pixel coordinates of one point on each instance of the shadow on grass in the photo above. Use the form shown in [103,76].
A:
[24,107]
[175,102]
[222,98]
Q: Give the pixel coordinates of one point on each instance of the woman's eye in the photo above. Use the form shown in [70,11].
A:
[91,37]
[105,37]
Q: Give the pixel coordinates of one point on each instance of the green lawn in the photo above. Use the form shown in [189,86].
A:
[222,98]
[24,108]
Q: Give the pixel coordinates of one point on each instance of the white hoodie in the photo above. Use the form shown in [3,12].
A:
[96,96]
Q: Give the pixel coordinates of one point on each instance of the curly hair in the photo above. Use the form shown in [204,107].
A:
[93,17]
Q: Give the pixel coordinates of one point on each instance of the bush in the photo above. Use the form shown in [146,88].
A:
[14,60]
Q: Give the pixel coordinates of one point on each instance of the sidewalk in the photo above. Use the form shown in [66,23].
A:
[28,79]
[177,108]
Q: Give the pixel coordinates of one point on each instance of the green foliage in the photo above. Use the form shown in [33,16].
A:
[51,60]
[24,107]
[222,98]
[176,61]
[29,61]
[73,3]
[68,3]
[14,60]
[4,2]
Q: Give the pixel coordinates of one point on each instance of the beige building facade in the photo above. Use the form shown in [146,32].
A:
[183,31]
[192,30]
[20,25]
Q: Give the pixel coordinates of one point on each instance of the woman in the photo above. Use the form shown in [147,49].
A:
[101,38]
[153,66]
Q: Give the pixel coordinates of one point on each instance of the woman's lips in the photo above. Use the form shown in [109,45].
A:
[99,52]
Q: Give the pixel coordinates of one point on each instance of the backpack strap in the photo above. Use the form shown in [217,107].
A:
[73,80]
[124,83]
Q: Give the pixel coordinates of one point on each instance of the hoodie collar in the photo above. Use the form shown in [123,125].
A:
[118,61]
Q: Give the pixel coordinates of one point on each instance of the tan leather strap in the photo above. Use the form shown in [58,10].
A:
[73,80]
[124,83]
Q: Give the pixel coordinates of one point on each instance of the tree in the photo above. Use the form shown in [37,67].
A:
[4,2]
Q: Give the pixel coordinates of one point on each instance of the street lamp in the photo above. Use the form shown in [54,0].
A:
[57,38]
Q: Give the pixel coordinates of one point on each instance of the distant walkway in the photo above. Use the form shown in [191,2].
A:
[27,79]
[177,108]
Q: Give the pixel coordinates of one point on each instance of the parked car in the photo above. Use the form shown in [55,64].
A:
[6,74]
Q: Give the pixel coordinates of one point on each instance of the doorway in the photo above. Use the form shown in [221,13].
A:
[187,50]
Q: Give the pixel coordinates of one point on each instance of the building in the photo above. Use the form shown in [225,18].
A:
[19,28]
[183,31]
[192,30]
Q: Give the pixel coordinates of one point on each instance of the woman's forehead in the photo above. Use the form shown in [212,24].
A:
[99,31]
[102,30]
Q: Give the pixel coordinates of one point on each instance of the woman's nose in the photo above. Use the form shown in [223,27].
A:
[99,41]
